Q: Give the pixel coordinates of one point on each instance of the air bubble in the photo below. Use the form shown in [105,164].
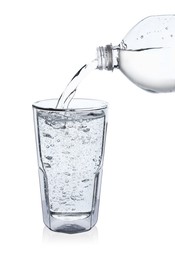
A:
[66,152]
[62,199]
[67,173]
[70,125]
[68,204]
[85,180]
[47,165]
[47,135]
[49,157]
[86,130]
[74,138]
[63,202]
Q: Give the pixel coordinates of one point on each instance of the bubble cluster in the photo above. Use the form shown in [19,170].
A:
[162,32]
[71,153]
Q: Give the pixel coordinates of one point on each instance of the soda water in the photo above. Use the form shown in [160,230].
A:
[70,90]
[71,153]
[150,69]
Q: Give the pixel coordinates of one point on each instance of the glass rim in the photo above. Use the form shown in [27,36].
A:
[100,104]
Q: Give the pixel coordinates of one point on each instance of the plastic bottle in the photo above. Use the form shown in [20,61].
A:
[146,55]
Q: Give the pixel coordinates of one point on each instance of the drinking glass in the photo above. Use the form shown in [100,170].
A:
[70,147]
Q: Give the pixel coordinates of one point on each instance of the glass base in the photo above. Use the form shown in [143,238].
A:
[71,223]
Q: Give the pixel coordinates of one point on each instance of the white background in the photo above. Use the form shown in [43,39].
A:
[42,44]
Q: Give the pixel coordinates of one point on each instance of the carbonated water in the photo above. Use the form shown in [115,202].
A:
[71,154]
[70,90]
[151,69]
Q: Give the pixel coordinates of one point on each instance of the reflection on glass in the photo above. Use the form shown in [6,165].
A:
[50,237]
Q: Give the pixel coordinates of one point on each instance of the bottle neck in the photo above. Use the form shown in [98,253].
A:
[107,57]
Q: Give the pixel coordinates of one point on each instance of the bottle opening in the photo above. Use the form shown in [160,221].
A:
[105,57]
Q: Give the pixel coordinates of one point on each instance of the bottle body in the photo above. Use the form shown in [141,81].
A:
[152,70]
[146,55]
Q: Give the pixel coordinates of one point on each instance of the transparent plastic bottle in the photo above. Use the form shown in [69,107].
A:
[146,55]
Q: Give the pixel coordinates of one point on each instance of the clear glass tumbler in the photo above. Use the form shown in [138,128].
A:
[70,147]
